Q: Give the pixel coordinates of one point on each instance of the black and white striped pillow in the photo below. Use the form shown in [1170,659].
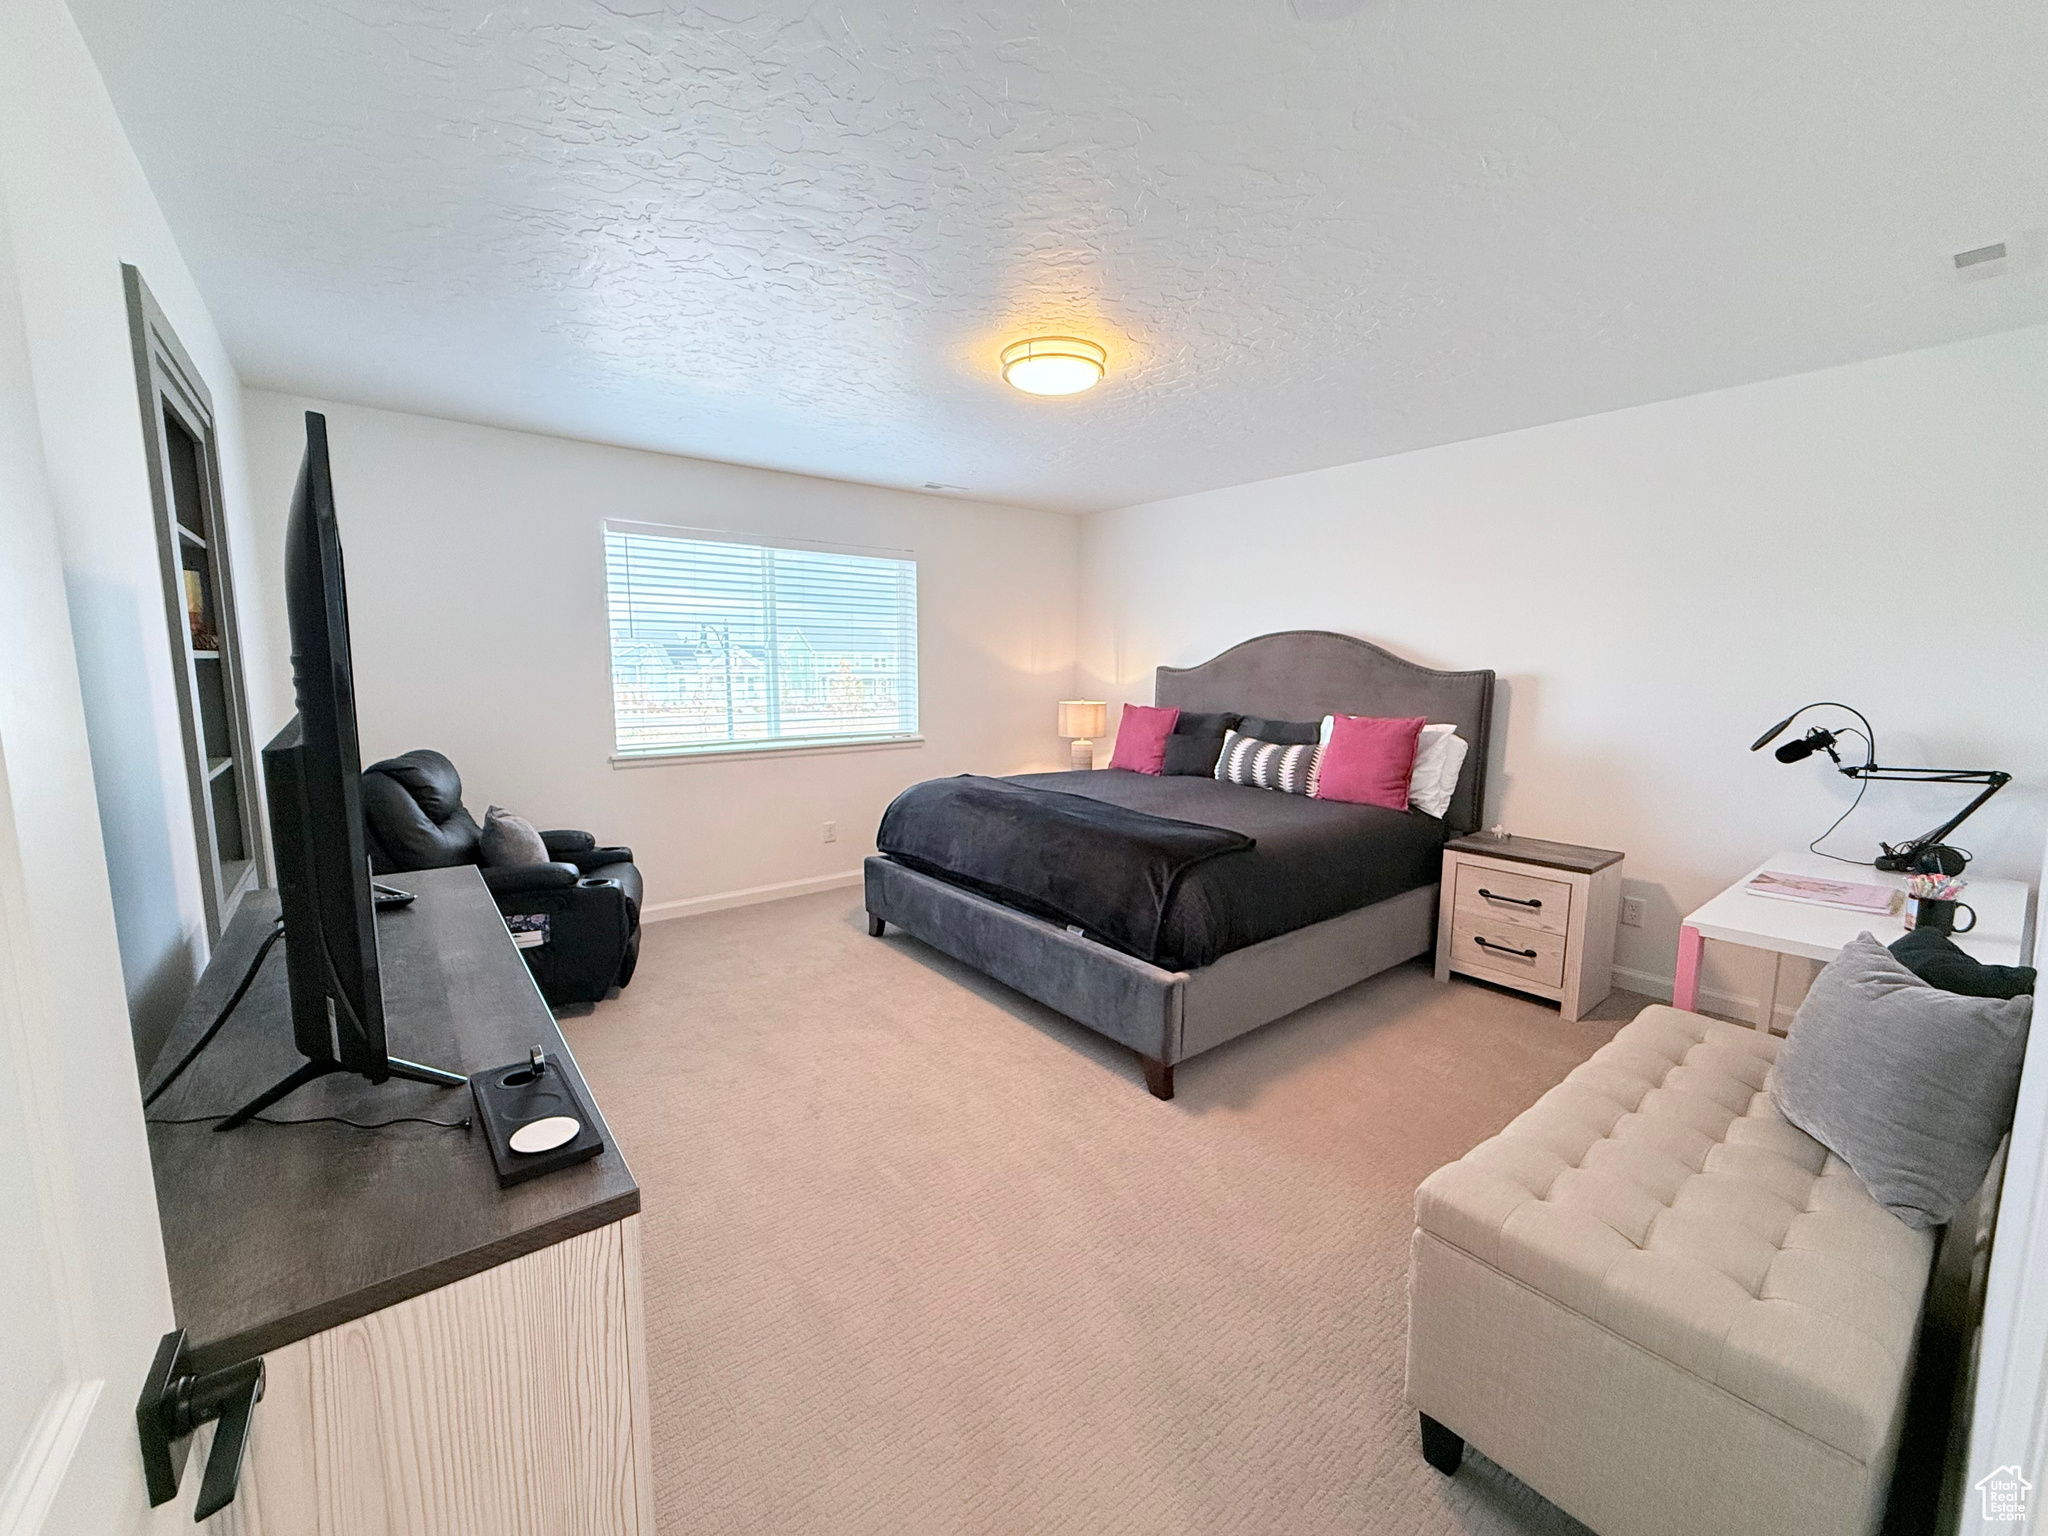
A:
[1268,764]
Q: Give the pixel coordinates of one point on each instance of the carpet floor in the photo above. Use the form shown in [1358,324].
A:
[924,1257]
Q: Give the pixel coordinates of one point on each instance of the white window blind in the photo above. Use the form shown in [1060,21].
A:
[719,646]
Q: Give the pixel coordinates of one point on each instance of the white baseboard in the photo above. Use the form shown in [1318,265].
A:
[781,890]
[1730,1005]
[1649,983]
[1655,984]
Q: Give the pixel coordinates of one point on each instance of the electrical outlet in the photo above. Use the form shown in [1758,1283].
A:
[1631,911]
[831,831]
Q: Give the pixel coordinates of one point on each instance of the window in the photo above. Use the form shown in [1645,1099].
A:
[719,646]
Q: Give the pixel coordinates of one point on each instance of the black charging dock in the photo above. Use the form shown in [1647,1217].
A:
[518,1097]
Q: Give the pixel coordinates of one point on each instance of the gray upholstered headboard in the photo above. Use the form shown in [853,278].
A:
[1304,674]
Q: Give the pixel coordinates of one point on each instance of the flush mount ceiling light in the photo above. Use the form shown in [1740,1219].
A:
[1054,365]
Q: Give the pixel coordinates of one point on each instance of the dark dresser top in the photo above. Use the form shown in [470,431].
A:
[1534,850]
[274,1233]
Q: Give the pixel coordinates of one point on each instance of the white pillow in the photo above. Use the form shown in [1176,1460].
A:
[1446,756]
[1439,757]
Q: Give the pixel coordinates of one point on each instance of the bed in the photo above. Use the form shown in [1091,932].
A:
[1325,896]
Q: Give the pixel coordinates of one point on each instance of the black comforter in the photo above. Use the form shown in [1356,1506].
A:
[1311,860]
[1075,859]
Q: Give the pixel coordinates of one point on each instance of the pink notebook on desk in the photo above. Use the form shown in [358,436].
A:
[1819,892]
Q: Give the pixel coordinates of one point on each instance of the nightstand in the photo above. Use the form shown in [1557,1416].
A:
[1535,916]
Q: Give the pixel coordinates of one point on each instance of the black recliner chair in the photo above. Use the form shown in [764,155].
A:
[414,818]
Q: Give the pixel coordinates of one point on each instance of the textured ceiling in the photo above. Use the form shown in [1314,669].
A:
[1309,231]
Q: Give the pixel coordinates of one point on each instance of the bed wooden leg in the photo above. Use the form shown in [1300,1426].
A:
[1158,1075]
[875,926]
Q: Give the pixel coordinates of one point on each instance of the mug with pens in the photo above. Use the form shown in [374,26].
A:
[1931,903]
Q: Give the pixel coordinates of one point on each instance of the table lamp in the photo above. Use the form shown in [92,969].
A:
[1083,720]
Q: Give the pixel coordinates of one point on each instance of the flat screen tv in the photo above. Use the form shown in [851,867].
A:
[314,773]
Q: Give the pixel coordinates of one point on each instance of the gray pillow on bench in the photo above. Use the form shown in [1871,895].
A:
[1909,1085]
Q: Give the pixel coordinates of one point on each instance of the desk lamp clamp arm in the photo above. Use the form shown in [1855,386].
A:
[1926,852]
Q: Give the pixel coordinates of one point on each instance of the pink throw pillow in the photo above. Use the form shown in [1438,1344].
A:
[1368,760]
[1141,738]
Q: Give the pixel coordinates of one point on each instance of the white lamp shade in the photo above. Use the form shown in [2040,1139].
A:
[1083,719]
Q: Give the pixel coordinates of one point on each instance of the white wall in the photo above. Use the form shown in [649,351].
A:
[83,1289]
[476,607]
[1655,587]
[81,208]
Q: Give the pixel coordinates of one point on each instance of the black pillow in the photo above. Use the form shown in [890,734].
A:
[1196,743]
[1940,962]
[1289,733]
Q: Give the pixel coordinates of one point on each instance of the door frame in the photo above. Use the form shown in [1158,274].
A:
[45,1455]
[166,379]
[87,1198]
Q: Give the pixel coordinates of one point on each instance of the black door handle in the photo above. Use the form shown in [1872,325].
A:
[175,1402]
[1526,954]
[1513,900]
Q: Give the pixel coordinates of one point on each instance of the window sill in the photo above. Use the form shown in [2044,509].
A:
[778,749]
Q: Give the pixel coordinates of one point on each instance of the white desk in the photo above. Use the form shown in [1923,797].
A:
[1818,933]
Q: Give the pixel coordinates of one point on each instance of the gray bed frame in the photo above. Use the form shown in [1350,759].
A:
[1168,1016]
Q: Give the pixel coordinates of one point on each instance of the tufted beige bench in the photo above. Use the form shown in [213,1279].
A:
[1663,1307]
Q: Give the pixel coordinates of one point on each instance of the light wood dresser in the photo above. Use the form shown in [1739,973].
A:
[1532,915]
[444,1357]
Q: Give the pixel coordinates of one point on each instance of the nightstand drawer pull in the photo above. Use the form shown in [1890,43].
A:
[1513,900]
[1526,954]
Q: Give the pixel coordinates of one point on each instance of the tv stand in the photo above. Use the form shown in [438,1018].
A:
[441,1354]
[313,1071]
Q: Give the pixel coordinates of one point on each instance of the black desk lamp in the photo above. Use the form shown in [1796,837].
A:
[1927,852]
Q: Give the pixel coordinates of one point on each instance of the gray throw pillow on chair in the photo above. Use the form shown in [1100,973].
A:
[509,840]
[1911,1086]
